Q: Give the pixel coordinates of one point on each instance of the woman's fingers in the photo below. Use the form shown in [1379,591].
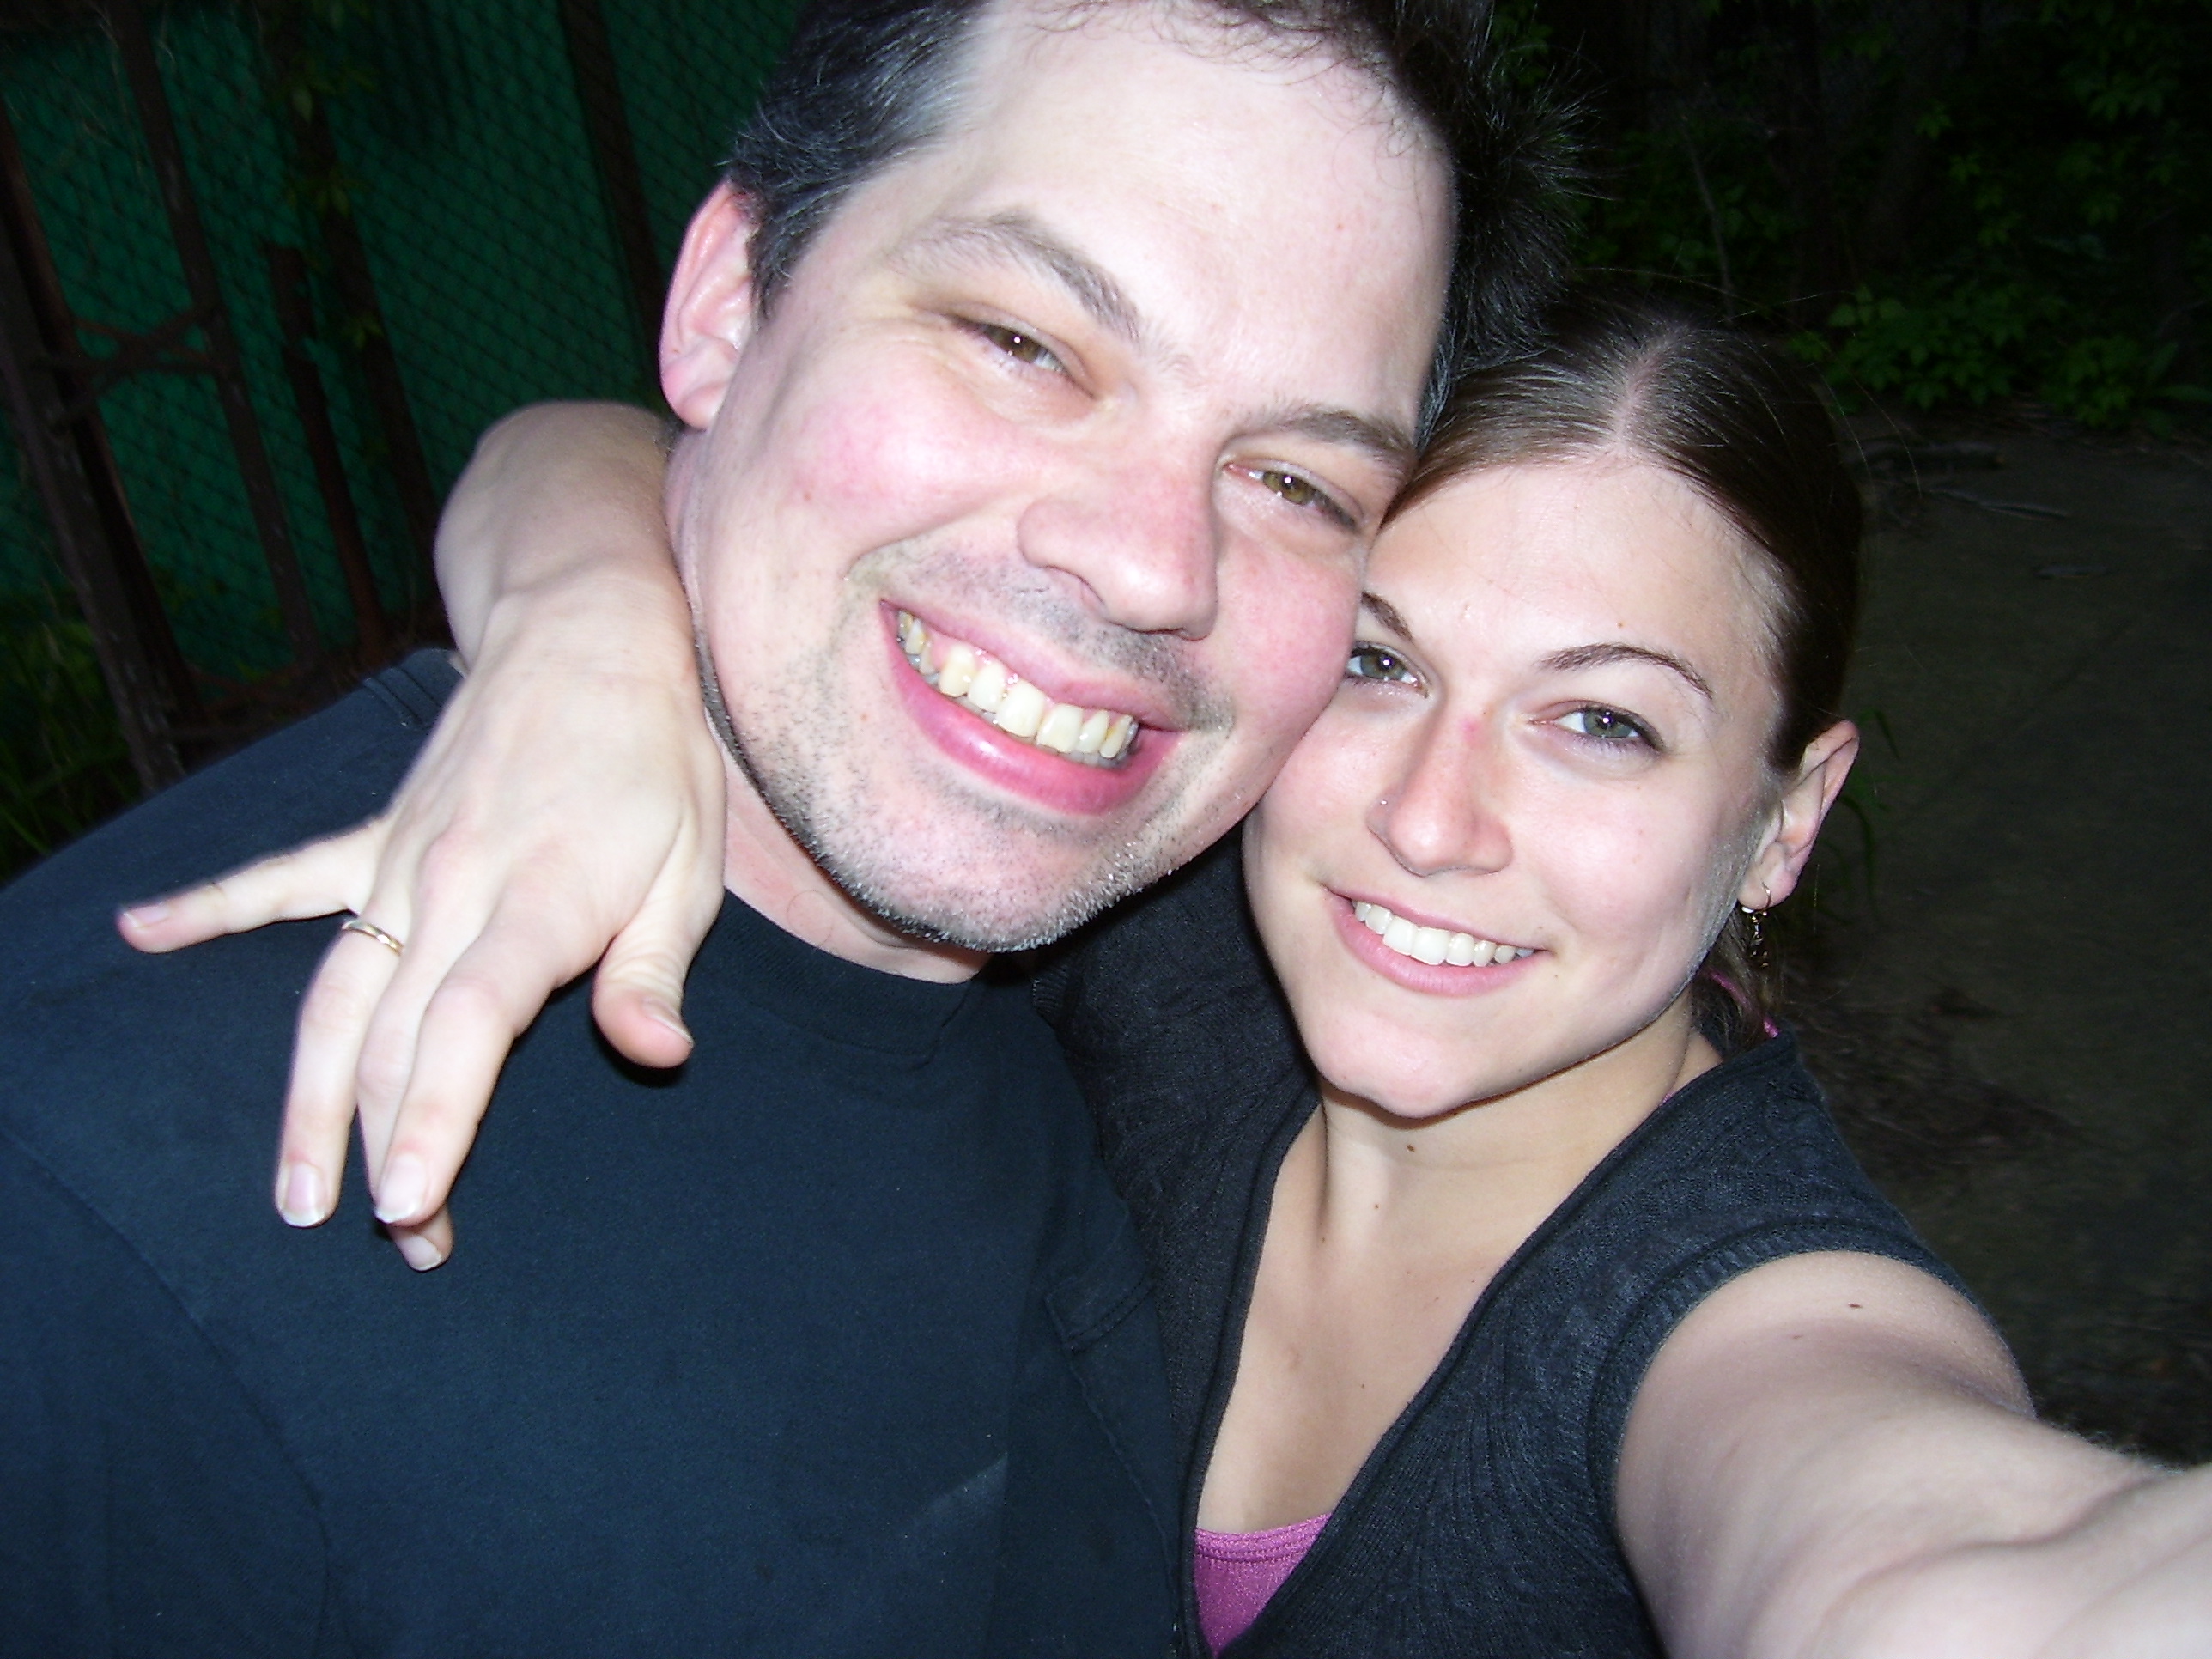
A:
[488,997]
[314,880]
[319,1105]
[426,1246]
[637,996]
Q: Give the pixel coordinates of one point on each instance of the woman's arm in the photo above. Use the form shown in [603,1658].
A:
[1834,1457]
[568,810]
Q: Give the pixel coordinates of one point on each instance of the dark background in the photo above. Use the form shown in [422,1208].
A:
[271,264]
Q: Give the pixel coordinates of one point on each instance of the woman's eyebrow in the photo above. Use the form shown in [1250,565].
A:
[1597,656]
[1386,613]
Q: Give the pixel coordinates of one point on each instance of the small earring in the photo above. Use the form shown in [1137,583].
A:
[1756,948]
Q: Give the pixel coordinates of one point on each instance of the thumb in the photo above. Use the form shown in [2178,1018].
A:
[638,995]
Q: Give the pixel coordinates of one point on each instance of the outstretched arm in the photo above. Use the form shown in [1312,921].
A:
[1833,1458]
[568,810]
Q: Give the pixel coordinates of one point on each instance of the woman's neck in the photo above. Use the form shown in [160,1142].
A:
[1497,1166]
[1382,1233]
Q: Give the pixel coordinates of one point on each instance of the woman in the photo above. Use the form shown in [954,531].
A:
[1556,1320]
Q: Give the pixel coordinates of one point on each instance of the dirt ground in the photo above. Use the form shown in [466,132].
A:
[2011,1012]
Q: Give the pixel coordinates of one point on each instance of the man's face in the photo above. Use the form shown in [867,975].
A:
[1086,414]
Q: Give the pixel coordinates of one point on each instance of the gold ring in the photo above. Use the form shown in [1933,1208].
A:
[368,929]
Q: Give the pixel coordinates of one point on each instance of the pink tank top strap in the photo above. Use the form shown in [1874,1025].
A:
[1236,1574]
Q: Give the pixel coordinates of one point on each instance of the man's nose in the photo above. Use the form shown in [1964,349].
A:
[1445,809]
[1142,542]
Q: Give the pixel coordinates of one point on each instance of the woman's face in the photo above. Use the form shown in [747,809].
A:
[1544,779]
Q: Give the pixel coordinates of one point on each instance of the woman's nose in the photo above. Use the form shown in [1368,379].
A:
[1445,809]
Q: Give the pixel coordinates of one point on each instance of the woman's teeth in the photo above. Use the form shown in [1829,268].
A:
[1434,944]
[981,682]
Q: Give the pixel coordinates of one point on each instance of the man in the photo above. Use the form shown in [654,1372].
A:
[1090,344]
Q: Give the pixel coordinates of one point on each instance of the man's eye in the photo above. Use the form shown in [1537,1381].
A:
[1018,346]
[1300,491]
[1373,662]
[1607,726]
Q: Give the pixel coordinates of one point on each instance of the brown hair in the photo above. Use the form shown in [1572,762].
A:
[1743,423]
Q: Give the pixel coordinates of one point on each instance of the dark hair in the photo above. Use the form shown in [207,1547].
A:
[1745,424]
[865,83]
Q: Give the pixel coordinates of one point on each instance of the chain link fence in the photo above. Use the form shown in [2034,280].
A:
[414,215]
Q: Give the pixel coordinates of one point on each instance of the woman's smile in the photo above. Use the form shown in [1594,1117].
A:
[1506,846]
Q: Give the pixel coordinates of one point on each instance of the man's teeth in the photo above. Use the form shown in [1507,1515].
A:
[1434,944]
[962,673]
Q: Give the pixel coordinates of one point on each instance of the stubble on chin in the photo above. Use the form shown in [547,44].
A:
[819,802]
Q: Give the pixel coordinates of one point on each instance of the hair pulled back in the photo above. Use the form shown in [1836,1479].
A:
[1742,422]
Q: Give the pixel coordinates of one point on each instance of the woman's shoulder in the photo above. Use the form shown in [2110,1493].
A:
[1740,1168]
[1178,1034]
[1166,1005]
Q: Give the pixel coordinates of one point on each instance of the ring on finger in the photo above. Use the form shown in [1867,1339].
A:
[368,929]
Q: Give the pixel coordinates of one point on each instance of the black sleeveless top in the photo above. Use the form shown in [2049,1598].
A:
[1482,1523]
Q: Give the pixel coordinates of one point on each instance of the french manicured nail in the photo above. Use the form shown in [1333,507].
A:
[419,1253]
[300,1195]
[145,915]
[399,1194]
[666,1017]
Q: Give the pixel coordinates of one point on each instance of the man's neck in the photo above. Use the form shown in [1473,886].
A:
[764,867]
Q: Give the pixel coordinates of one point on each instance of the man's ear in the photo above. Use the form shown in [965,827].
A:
[709,316]
[1795,824]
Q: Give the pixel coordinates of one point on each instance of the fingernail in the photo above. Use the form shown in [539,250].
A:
[399,1194]
[145,915]
[418,1252]
[666,1017]
[300,1195]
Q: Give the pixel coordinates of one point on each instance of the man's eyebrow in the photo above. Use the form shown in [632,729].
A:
[1597,656]
[1018,237]
[1387,441]
[1386,613]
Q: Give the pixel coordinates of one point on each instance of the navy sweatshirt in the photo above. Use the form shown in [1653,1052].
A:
[836,1341]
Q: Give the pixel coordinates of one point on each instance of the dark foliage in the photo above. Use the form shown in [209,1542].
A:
[1945,202]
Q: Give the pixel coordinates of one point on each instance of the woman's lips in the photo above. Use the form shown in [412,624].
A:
[1400,949]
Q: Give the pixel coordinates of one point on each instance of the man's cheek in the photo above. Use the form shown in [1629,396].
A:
[897,458]
[1300,636]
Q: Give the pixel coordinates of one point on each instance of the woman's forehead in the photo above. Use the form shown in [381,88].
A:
[1608,545]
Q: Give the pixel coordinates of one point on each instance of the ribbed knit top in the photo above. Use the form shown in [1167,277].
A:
[1483,1523]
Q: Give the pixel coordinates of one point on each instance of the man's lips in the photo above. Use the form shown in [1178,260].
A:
[1023,754]
[967,674]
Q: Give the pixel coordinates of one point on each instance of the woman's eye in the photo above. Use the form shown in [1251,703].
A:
[1021,347]
[1607,726]
[1373,662]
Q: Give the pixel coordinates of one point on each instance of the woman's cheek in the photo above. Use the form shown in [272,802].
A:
[1629,882]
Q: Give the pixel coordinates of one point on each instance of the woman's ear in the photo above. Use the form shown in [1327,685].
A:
[1797,816]
[710,315]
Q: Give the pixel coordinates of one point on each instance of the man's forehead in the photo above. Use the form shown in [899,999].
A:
[1138,171]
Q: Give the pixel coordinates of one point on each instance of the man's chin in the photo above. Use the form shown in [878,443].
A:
[974,915]
[948,871]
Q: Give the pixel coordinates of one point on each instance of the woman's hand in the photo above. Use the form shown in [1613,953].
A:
[568,809]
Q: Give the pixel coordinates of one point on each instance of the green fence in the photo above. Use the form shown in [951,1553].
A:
[457,178]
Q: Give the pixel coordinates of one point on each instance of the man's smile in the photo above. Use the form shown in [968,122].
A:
[1077,760]
[973,677]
